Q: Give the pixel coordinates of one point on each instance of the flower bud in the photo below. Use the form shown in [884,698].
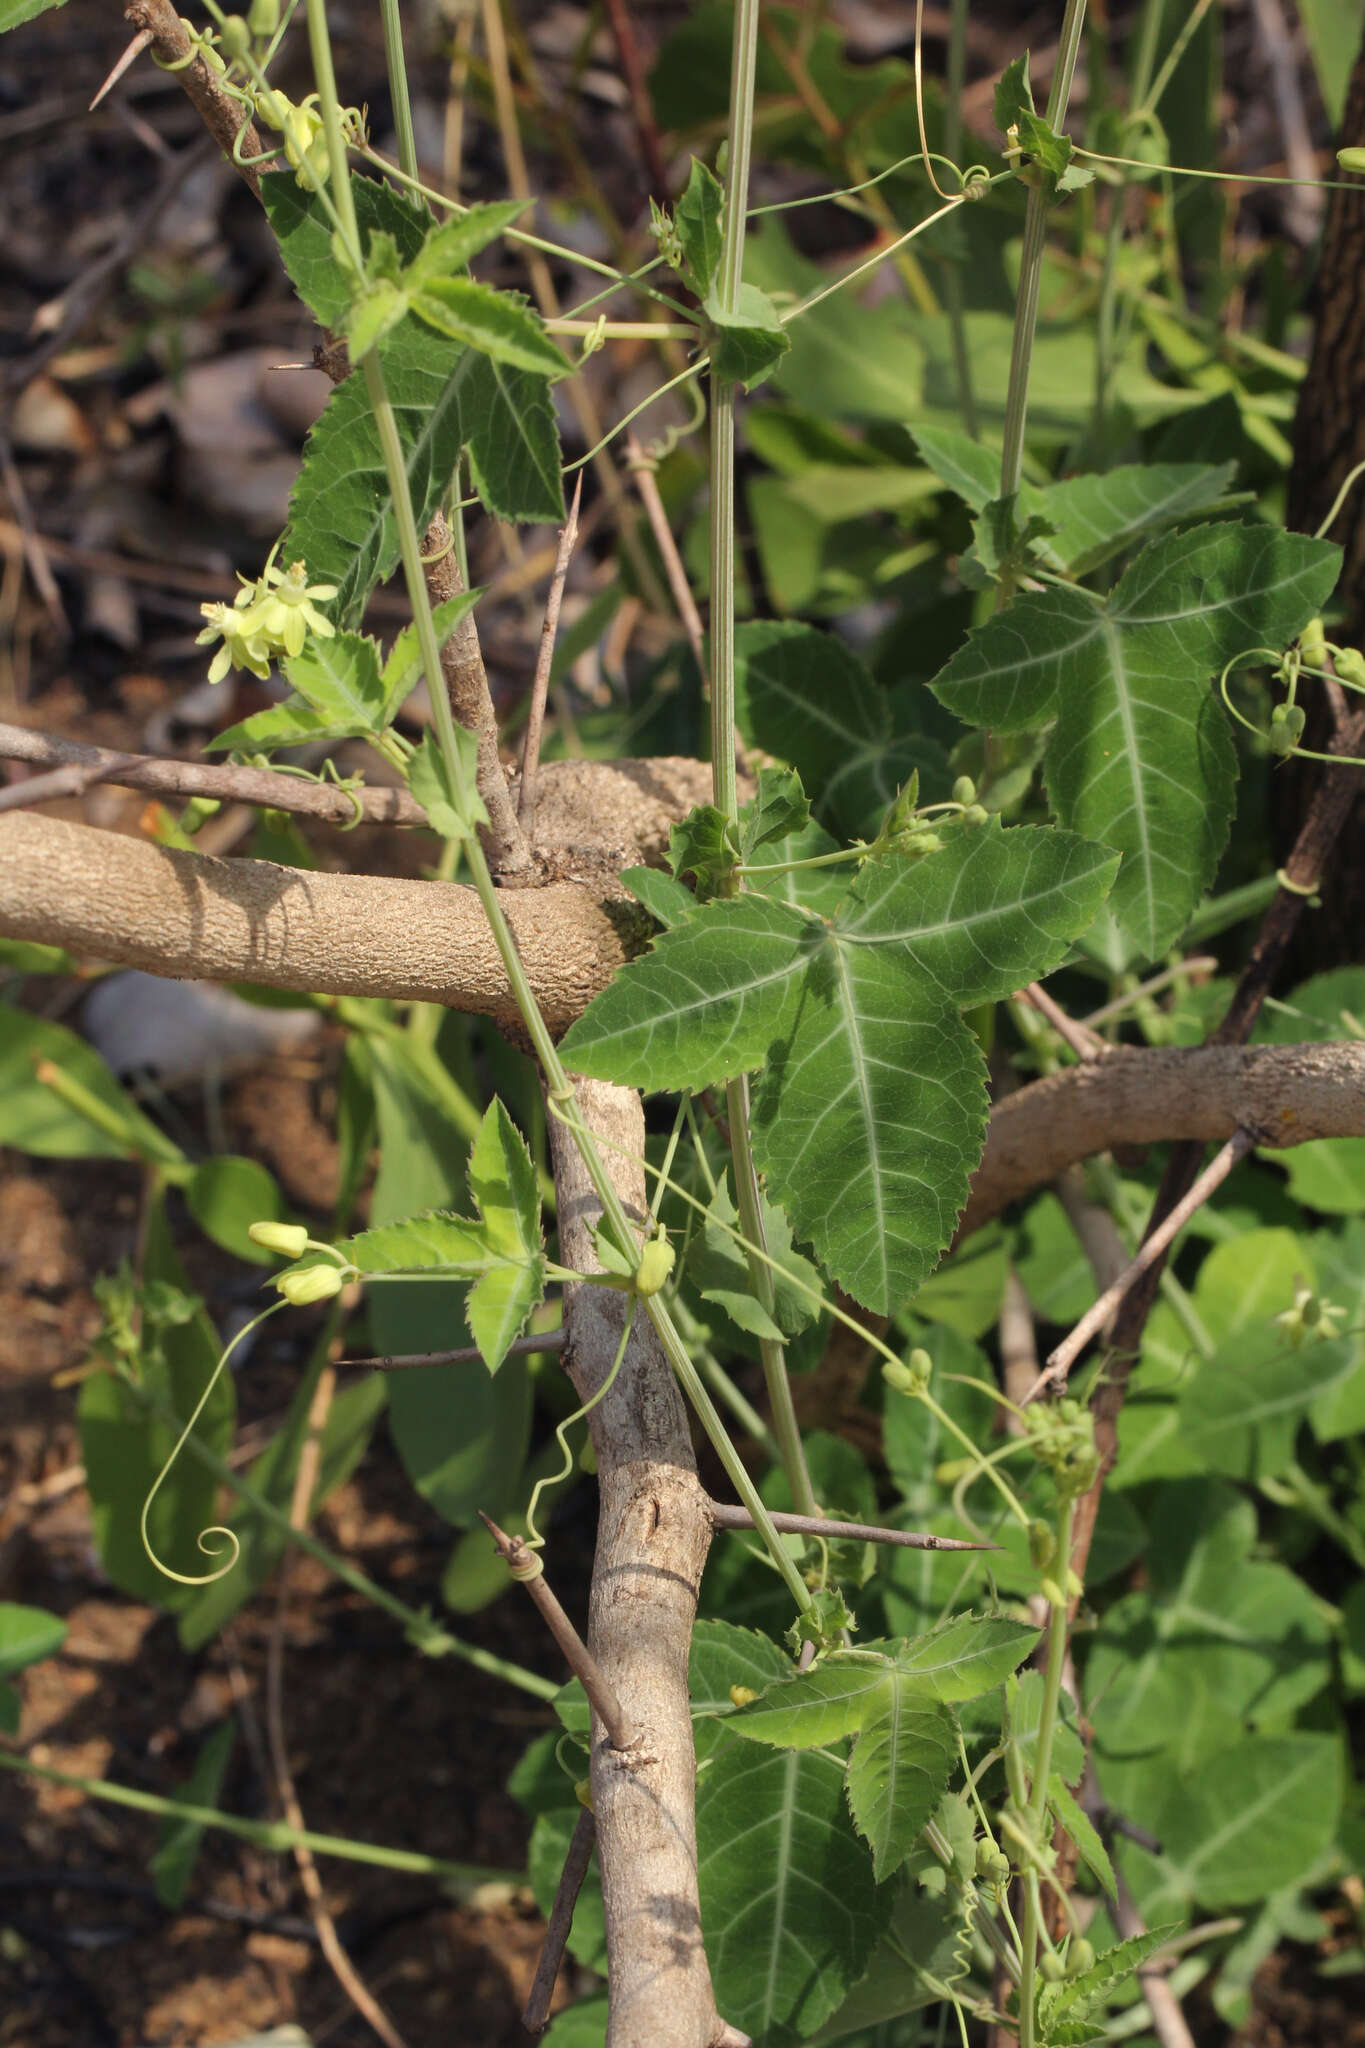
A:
[1286,728]
[742,1695]
[263,17]
[1051,1967]
[656,1263]
[964,790]
[314,1283]
[1350,666]
[975,814]
[1080,1957]
[1042,1544]
[1313,643]
[290,1240]
[1352,159]
[234,38]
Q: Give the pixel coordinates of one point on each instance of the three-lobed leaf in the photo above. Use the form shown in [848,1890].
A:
[1140,755]
[871,1113]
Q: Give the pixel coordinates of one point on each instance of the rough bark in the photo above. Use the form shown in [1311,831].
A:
[225,118]
[653,1533]
[1286,1094]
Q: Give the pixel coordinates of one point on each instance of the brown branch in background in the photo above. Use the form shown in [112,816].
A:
[647,484]
[467,1354]
[76,767]
[305,1479]
[1153,1247]
[540,686]
[31,540]
[725,1516]
[526,1568]
[641,105]
[1168,2021]
[536,2014]
[225,118]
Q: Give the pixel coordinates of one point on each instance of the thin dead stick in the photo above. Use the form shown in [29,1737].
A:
[73,780]
[1168,2021]
[536,2016]
[310,1459]
[646,483]
[468,1354]
[129,57]
[726,1517]
[1069,1350]
[31,541]
[641,105]
[1082,1041]
[279,792]
[540,687]
[525,1566]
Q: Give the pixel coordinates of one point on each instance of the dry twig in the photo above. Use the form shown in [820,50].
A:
[536,2014]
[540,686]
[526,1568]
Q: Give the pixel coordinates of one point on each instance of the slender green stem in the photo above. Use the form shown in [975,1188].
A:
[266,1834]
[427,1634]
[1042,1771]
[722,651]
[398,86]
[324,78]
[771,1354]
[1031,263]
[1105,353]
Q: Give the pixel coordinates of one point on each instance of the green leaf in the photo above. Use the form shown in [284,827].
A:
[461,1433]
[1253,1819]
[748,340]
[404,663]
[291,724]
[125,1446]
[1078,1996]
[722,1656]
[172,1864]
[374,314]
[790,1909]
[1211,1627]
[445,398]
[818,1707]
[14,12]
[778,810]
[966,1657]
[27,1634]
[719,1269]
[550,1839]
[666,899]
[1083,1833]
[227,1195]
[805,696]
[870,1118]
[454,813]
[924,1950]
[1098,516]
[1241,1412]
[1013,94]
[1141,756]
[502,1180]
[700,845]
[1021,1715]
[898,1770]
[579,2026]
[1327,1174]
[340,679]
[35,1117]
[434,1242]
[498,324]
[697,219]
[455,243]
[304,234]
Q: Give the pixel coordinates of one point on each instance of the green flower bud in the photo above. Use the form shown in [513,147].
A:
[1080,1958]
[1042,1544]
[1286,728]
[1312,643]
[656,1263]
[1051,1967]
[1350,666]
[991,1865]
[314,1283]
[234,38]
[975,814]
[263,17]
[1352,160]
[742,1695]
[290,1240]
[964,790]
[900,1377]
